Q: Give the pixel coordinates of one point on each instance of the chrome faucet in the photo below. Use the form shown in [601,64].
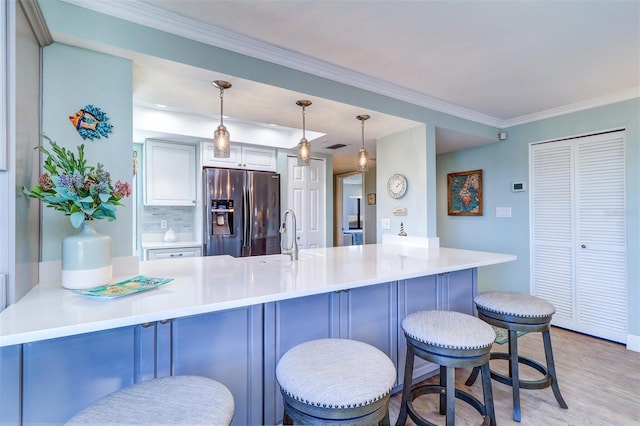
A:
[293,249]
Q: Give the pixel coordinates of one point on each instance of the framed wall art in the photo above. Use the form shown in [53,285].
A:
[371,198]
[464,193]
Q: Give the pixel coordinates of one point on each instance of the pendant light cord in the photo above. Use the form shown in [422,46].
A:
[221,105]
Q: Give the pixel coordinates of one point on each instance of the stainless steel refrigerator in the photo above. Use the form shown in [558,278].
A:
[242,212]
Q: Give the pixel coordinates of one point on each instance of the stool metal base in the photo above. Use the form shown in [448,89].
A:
[449,360]
[514,324]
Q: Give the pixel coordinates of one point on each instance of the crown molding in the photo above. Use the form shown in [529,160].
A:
[575,107]
[154,17]
[34,16]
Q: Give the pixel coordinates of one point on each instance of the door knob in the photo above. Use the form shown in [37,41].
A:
[583,246]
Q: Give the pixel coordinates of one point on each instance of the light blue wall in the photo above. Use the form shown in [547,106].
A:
[508,161]
[404,153]
[72,79]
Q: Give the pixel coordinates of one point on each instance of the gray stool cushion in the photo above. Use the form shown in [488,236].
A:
[448,329]
[336,373]
[515,304]
[169,400]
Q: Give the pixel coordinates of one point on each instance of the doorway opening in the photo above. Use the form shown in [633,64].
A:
[349,218]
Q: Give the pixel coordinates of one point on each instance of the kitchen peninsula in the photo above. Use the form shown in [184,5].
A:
[223,317]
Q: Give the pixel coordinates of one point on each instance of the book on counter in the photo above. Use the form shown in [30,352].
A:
[123,288]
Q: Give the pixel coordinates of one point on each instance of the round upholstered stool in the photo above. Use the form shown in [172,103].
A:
[335,381]
[520,312]
[452,340]
[169,400]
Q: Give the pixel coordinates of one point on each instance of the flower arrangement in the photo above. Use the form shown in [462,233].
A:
[79,191]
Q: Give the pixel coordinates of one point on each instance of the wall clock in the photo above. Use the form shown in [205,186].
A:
[397,185]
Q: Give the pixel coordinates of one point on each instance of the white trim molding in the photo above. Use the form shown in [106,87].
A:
[633,343]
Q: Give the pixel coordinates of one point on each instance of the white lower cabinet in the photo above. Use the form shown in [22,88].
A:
[173,253]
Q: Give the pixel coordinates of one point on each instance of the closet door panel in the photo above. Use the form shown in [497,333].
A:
[552,273]
[600,224]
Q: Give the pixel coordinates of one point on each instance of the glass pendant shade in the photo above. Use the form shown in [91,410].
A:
[221,143]
[221,137]
[363,157]
[304,153]
[363,160]
[304,148]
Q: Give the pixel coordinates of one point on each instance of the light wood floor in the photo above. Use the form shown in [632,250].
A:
[599,380]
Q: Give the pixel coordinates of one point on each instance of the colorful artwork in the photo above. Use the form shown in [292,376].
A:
[464,193]
[91,123]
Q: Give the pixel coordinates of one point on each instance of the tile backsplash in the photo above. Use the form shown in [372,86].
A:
[180,219]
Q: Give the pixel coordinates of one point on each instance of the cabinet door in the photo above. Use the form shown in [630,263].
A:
[287,324]
[457,290]
[416,294]
[369,314]
[63,376]
[209,160]
[170,174]
[10,385]
[254,158]
[225,346]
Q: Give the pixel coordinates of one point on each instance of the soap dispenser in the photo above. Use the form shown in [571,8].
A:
[170,236]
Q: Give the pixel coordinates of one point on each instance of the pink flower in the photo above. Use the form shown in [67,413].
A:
[122,189]
[45,182]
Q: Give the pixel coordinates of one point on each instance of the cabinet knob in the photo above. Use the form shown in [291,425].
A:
[175,255]
[583,246]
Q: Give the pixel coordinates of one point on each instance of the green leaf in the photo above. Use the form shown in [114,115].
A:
[108,206]
[76,219]
[104,197]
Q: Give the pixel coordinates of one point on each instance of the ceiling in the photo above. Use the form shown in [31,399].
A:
[501,63]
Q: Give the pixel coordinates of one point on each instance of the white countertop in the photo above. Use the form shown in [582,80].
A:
[215,283]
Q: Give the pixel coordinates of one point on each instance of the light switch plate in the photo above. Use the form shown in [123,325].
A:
[503,211]
[385,223]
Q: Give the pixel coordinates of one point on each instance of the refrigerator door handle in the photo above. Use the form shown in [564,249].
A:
[245,229]
[250,203]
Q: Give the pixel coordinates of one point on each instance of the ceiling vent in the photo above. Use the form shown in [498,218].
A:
[335,146]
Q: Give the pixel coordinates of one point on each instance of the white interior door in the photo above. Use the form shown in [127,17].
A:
[578,236]
[306,196]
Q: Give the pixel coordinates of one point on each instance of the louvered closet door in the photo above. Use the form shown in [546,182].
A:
[578,233]
[553,247]
[600,224]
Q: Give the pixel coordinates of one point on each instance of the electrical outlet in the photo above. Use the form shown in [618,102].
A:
[385,223]
[163,224]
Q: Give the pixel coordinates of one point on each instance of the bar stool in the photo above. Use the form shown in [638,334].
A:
[520,312]
[168,400]
[336,381]
[452,340]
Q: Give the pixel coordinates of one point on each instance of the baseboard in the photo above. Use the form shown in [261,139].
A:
[633,343]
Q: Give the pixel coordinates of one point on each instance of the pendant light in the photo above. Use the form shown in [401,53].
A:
[363,157]
[304,149]
[221,137]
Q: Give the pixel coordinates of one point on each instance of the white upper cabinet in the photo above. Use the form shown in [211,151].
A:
[242,157]
[170,174]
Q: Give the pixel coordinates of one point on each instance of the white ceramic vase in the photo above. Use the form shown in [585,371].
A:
[86,259]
